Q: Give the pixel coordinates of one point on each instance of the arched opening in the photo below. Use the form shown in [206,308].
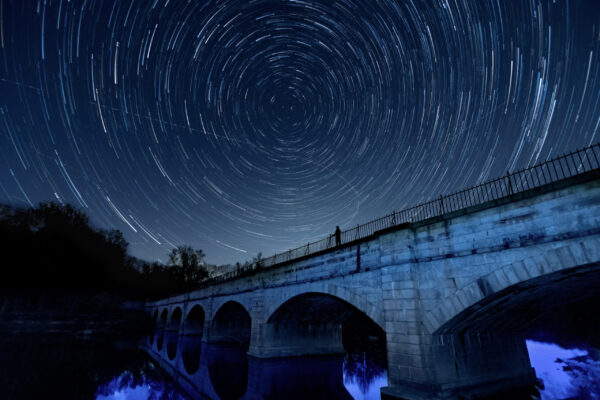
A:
[160,330]
[154,322]
[172,332]
[320,324]
[194,322]
[175,320]
[191,342]
[518,307]
[231,324]
[558,306]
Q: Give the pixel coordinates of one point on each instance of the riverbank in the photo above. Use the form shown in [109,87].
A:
[72,314]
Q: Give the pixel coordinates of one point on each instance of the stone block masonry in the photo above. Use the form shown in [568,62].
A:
[449,293]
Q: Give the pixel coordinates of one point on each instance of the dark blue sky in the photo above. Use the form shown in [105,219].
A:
[246,126]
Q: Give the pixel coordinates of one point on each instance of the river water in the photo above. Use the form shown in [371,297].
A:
[57,367]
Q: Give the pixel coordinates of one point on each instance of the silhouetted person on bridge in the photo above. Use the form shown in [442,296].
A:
[338,236]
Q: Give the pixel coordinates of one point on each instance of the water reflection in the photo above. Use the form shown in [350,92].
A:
[171,338]
[191,350]
[364,375]
[298,378]
[66,368]
[224,371]
[565,373]
[54,366]
[228,370]
[129,386]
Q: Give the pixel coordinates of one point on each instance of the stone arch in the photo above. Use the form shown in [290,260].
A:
[231,324]
[219,302]
[372,310]
[520,284]
[163,318]
[311,323]
[175,319]
[194,321]
[313,307]
[191,341]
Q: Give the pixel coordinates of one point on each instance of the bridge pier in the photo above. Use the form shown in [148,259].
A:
[291,339]
[458,367]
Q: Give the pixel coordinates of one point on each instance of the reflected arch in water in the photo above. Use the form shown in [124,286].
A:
[154,322]
[231,324]
[172,332]
[160,329]
[228,369]
[191,341]
[297,378]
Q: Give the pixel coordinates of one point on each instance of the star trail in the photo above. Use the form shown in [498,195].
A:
[246,126]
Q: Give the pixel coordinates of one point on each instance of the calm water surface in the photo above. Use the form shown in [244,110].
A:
[46,367]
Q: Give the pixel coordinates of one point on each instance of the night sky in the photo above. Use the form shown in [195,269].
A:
[245,126]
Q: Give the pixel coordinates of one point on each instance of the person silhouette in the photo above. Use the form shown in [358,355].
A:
[338,236]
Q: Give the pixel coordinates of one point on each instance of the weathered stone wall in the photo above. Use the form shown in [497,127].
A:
[430,279]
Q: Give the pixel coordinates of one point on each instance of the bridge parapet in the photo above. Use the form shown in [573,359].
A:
[448,292]
[520,184]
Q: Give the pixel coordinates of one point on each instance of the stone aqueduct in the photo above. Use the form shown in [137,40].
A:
[452,294]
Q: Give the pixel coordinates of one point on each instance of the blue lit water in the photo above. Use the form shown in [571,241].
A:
[129,387]
[566,373]
[34,368]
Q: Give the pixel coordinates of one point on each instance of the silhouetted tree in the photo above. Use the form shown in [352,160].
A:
[189,264]
[53,248]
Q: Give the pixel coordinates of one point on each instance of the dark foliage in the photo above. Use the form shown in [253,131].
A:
[53,249]
[189,264]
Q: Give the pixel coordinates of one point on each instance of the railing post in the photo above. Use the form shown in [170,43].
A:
[509,184]
[441,205]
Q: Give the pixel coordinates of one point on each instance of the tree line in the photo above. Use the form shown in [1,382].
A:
[53,248]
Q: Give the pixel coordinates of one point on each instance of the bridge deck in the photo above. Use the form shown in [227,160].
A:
[568,169]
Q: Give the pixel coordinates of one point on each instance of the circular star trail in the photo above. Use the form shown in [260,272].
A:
[247,126]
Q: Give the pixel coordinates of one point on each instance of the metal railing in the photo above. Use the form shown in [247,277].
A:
[557,169]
